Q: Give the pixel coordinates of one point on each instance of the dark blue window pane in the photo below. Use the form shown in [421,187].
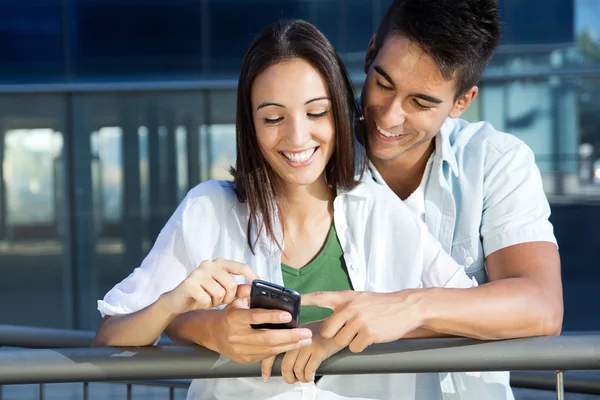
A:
[537,21]
[136,39]
[31,41]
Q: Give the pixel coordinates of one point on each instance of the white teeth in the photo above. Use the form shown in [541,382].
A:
[300,157]
[386,133]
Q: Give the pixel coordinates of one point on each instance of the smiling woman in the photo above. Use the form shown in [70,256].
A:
[298,216]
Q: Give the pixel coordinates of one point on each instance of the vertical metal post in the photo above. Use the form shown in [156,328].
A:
[154,161]
[82,241]
[3,197]
[171,393]
[86,391]
[0,392]
[194,159]
[42,391]
[132,204]
[129,392]
[171,188]
[560,385]
[208,142]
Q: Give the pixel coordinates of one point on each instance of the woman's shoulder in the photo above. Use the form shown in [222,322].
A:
[214,194]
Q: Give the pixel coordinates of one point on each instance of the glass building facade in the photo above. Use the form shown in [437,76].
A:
[111,110]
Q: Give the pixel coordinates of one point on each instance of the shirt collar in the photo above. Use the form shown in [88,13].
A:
[442,142]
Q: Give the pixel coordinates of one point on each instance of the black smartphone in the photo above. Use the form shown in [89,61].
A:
[274,297]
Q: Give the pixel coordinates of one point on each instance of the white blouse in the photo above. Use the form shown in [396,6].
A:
[386,249]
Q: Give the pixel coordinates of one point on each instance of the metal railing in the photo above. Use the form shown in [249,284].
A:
[166,362]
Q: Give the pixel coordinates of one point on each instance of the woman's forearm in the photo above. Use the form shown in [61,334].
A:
[194,327]
[140,328]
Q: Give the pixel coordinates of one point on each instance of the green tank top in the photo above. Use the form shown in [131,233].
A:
[326,272]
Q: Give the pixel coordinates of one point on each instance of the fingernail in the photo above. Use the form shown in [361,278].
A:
[306,334]
[285,317]
[305,342]
[265,377]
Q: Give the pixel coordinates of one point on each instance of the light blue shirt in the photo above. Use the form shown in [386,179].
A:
[484,193]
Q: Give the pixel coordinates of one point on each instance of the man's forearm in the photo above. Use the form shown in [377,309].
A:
[507,308]
[193,327]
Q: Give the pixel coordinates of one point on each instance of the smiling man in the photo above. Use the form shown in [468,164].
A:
[477,189]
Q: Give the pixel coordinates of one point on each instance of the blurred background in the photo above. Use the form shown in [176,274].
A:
[110,110]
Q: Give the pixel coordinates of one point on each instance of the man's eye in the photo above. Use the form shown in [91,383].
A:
[421,106]
[382,86]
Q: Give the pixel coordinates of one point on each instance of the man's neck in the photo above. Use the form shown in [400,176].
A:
[404,174]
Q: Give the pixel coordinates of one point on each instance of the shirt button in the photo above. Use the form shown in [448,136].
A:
[469,260]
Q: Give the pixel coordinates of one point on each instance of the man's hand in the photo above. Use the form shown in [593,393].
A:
[234,338]
[301,365]
[362,318]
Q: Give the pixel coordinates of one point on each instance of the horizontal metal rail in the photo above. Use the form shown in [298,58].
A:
[21,366]
[49,338]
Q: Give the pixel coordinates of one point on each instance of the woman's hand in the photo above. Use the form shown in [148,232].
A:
[208,286]
[233,336]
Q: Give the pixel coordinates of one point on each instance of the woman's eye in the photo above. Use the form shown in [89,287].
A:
[317,115]
[272,121]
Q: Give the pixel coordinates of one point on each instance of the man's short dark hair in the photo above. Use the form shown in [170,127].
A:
[460,35]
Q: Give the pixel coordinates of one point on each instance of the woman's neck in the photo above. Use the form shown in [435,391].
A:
[301,205]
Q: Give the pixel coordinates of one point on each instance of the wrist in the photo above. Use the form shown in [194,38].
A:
[416,301]
[162,309]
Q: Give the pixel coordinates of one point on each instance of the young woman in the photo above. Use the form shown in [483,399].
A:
[296,215]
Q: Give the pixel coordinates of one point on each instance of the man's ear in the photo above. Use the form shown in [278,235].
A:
[463,102]
[370,54]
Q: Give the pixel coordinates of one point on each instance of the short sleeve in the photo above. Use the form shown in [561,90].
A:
[169,262]
[515,207]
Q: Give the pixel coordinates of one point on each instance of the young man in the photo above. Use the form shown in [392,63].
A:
[477,189]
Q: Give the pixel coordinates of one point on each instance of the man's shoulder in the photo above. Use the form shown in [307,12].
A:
[481,139]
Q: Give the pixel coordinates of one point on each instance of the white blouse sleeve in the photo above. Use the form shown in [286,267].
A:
[169,261]
[439,268]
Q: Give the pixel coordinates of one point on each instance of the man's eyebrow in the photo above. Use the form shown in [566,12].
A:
[427,98]
[317,99]
[263,105]
[385,75]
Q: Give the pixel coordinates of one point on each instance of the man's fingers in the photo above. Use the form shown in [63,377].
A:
[360,342]
[266,368]
[346,335]
[236,268]
[330,300]
[335,323]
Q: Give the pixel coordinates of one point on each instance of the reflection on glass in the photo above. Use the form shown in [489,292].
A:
[29,177]
[182,160]
[31,250]
[223,150]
